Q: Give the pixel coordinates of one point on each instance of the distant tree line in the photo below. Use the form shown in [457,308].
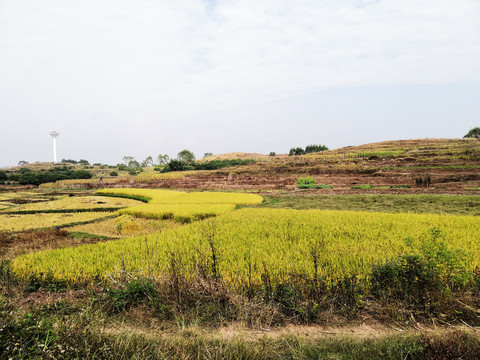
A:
[308,150]
[180,165]
[28,177]
[185,161]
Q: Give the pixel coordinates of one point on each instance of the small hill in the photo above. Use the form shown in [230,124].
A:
[400,166]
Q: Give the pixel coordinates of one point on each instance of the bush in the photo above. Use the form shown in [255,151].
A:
[113,173]
[219,164]
[420,278]
[28,177]
[178,165]
[306,182]
[134,292]
[81,174]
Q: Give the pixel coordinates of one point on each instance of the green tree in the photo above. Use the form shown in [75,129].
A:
[131,162]
[147,162]
[3,176]
[296,151]
[473,133]
[186,156]
[163,159]
[207,154]
[315,148]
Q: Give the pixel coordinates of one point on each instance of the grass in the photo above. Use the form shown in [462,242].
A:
[82,329]
[424,204]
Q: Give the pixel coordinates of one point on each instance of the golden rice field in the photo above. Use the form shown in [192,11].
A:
[76,203]
[183,206]
[159,196]
[179,212]
[119,227]
[14,222]
[251,241]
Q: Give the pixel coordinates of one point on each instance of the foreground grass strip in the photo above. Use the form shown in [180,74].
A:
[36,336]
[252,242]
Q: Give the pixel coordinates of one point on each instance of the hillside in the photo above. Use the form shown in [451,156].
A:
[403,166]
[426,165]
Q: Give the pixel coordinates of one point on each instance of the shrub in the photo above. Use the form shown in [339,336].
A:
[418,278]
[81,174]
[306,182]
[113,173]
[134,292]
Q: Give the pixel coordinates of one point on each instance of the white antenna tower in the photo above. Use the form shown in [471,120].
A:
[54,135]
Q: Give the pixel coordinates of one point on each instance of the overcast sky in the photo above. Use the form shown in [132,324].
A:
[149,77]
